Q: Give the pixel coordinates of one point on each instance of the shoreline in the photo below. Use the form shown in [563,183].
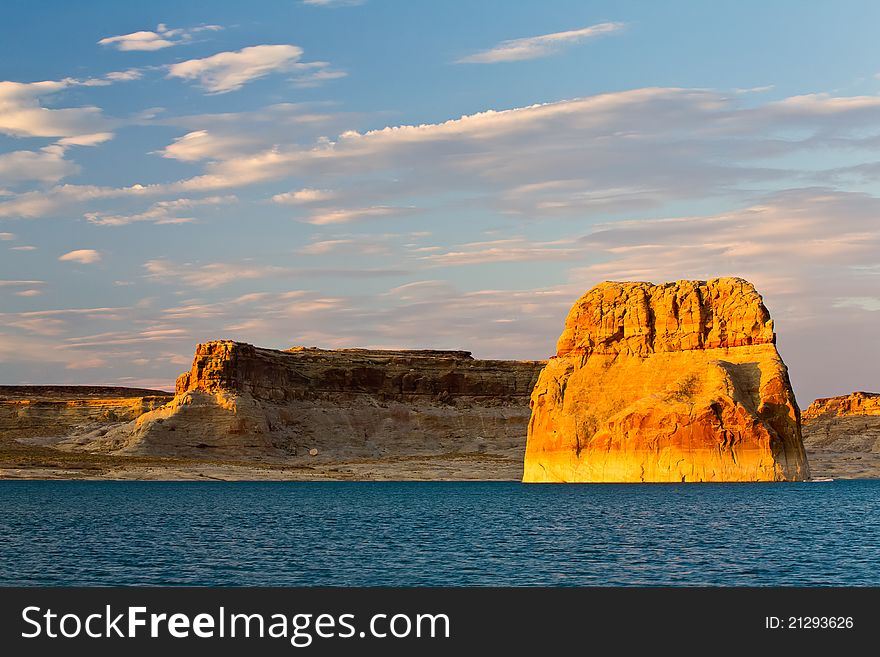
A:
[452,467]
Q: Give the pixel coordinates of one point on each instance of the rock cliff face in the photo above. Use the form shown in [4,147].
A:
[28,412]
[313,405]
[672,382]
[843,433]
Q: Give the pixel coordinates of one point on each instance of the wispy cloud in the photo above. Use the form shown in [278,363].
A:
[539,46]
[804,243]
[516,249]
[229,71]
[162,37]
[86,140]
[333,3]
[871,304]
[8,283]
[587,156]
[319,77]
[325,217]
[82,256]
[161,212]
[364,244]
[124,76]
[218,274]
[301,196]
[209,275]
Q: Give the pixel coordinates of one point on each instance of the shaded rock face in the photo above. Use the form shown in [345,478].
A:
[315,405]
[58,412]
[672,382]
[848,424]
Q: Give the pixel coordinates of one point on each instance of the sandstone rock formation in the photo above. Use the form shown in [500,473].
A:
[842,435]
[672,382]
[33,412]
[240,401]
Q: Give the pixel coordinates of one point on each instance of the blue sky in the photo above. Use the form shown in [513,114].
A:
[418,174]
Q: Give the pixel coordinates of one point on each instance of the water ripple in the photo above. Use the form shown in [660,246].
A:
[438,534]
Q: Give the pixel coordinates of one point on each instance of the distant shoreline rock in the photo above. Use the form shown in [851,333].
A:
[34,412]
[242,411]
[308,406]
[849,423]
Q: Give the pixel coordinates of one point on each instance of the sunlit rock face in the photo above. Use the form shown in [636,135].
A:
[666,383]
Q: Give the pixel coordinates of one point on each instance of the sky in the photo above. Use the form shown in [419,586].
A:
[414,174]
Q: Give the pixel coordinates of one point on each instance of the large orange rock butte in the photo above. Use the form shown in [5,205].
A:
[666,383]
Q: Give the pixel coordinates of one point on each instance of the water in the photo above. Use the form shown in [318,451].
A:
[437,533]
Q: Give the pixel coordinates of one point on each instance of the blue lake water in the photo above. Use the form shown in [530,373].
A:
[437,533]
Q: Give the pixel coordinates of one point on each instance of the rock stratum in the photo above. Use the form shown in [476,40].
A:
[672,382]
[34,412]
[309,406]
[842,435]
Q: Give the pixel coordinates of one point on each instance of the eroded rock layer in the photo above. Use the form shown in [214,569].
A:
[315,405]
[672,382]
[28,412]
[848,424]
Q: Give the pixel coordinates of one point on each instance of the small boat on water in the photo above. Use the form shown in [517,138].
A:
[819,479]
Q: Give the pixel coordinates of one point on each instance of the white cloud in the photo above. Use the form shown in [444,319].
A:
[517,323]
[217,274]
[45,165]
[333,3]
[362,244]
[323,247]
[87,364]
[278,119]
[615,152]
[82,256]
[326,217]
[204,145]
[317,78]
[35,326]
[63,197]
[26,247]
[8,283]
[22,115]
[539,46]
[225,135]
[228,71]
[516,249]
[210,275]
[306,195]
[865,303]
[29,293]
[162,37]
[86,140]
[124,76]
[601,152]
[161,212]
[7,237]
[806,248]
